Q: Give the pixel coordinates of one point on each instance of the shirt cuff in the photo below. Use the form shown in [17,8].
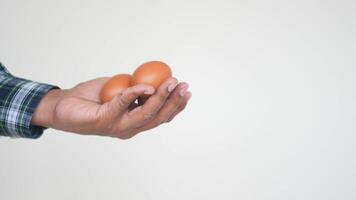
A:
[19,99]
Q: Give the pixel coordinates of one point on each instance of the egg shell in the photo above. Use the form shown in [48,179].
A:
[114,86]
[153,73]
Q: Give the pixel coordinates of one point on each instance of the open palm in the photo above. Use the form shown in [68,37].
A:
[79,109]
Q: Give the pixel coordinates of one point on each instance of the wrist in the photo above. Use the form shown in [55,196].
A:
[43,115]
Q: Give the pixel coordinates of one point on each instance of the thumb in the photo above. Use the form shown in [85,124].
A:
[120,103]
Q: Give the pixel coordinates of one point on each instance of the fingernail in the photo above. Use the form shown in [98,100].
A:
[171,87]
[183,92]
[149,91]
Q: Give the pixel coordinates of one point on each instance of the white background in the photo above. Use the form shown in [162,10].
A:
[273,112]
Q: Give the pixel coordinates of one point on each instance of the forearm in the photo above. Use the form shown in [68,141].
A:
[19,98]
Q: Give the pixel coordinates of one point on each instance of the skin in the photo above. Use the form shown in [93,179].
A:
[79,110]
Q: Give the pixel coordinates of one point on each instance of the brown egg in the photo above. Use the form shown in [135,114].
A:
[153,73]
[114,86]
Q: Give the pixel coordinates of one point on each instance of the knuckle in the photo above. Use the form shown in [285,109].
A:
[122,101]
[177,104]
[148,116]
[182,106]
[161,120]
[172,117]
[169,120]
[162,96]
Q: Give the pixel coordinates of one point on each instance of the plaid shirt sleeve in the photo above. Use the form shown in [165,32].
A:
[18,100]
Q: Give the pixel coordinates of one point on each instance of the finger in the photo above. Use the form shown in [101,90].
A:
[181,107]
[121,102]
[147,111]
[147,127]
[176,99]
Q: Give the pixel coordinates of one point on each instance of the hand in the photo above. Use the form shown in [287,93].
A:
[79,109]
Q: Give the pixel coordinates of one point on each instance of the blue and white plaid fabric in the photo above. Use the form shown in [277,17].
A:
[18,100]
